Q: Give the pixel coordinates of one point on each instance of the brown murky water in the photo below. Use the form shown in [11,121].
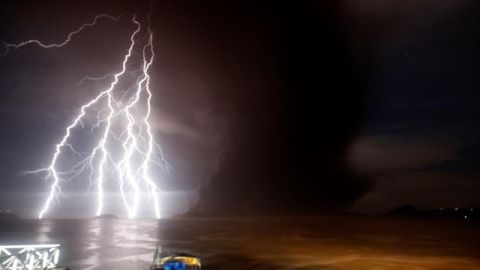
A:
[334,243]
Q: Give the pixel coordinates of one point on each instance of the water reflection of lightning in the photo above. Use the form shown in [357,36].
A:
[138,148]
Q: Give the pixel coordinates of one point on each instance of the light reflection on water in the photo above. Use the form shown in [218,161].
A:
[330,243]
[89,244]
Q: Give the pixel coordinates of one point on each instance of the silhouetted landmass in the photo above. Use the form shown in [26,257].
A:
[107,216]
[8,216]
[411,211]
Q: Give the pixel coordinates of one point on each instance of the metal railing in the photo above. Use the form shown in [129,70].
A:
[29,257]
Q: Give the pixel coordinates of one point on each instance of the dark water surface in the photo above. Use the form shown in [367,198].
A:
[335,243]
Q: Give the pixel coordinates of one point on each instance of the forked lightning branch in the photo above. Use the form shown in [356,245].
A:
[124,149]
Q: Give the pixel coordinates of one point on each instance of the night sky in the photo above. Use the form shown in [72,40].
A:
[262,107]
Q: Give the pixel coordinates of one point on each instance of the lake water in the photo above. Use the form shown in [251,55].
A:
[334,243]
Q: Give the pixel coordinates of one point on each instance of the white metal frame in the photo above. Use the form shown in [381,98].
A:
[29,257]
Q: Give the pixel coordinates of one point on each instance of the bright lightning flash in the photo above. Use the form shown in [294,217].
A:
[122,121]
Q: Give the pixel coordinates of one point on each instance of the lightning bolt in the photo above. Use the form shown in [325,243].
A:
[135,138]
[65,41]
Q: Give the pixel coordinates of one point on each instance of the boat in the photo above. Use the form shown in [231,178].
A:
[175,261]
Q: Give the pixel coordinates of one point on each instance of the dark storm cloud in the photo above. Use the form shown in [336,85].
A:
[380,155]
[267,107]
[398,164]
[433,189]
[421,128]
[255,99]
[285,85]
